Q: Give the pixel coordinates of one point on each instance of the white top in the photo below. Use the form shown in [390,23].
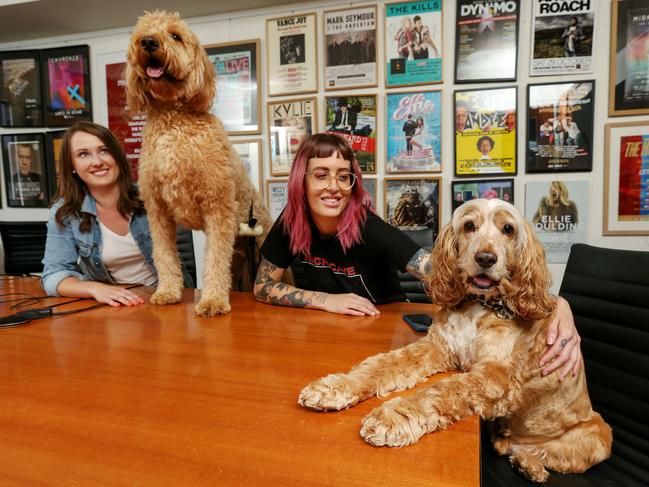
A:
[124,260]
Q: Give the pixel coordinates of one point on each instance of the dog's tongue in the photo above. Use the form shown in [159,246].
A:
[154,72]
[482,280]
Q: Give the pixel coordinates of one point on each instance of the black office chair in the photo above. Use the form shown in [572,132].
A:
[185,243]
[24,246]
[608,291]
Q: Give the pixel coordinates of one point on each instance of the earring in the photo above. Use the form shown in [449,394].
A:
[74,172]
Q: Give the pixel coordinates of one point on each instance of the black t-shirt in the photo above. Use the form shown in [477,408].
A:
[368,269]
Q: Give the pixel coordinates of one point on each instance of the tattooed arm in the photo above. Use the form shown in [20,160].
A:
[419,265]
[270,289]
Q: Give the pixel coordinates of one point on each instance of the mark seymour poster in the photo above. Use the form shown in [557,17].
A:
[563,37]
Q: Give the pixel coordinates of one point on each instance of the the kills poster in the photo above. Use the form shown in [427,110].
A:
[486,40]
[351,46]
[636,88]
[485,132]
[413,43]
[558,211]
[354,118]
[414,132]
[563,37]
[67,85]
[126,128]
[20,89]
[633,196]
[290,122]
[560,126]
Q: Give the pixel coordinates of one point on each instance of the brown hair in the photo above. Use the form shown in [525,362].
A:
[73,190]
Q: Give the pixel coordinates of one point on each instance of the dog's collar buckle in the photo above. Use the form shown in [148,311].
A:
[499,308]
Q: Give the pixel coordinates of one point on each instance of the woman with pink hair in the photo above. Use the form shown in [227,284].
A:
[350,255]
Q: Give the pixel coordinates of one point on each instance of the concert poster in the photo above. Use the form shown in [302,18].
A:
[485,132]
[25,173]
[463,191]
[560,126]
[354,119]
[20,89]
[486,40]
[276,196]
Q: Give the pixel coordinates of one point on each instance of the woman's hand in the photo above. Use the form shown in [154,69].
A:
[113,295]
[563,343]
[349,304]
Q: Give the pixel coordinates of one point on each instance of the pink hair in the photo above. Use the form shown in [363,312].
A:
[297,217]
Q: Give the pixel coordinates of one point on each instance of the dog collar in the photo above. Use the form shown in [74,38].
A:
[496,305]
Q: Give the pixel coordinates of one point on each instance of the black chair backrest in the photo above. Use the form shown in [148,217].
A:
[608,291]
[185,243]
[24,246]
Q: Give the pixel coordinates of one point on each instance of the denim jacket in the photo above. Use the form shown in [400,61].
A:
[72,253]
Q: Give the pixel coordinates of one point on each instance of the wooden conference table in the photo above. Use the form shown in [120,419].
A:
[152,396]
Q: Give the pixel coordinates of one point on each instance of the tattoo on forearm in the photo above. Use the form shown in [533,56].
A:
[320,297]
[280,293]
[420,264]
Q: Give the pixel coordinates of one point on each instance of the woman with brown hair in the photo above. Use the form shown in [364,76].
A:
[97,234]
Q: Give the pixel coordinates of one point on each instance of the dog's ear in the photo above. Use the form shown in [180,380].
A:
[201,87]
[443,285]
[527,292]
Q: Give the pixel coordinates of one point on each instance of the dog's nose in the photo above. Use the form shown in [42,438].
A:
[486,259]
[149,44]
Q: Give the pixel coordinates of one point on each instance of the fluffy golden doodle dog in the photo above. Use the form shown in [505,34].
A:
[491,282]
[189,173]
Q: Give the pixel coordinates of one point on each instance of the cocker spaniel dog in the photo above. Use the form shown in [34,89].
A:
[491,282]
[189,172]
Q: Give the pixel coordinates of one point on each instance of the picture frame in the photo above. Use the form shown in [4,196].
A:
[370,184]
[562,37]
[626,210]
[628,80]
[414,132]
[66,86]
[560,119]
[354,118]
[276,196]
[467,189]
[292,54]
[21,102]
[486,140]
[413,55]
[558,212]
[249,151]
[486,41]
[237,102]
[25,172]
[289,122]
[53,142]
[413,205]
[351,47]
[125,126]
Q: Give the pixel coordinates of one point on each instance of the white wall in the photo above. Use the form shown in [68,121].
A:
[107,46]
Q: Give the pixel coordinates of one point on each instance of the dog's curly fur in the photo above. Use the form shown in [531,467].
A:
[189,172]
[487,250]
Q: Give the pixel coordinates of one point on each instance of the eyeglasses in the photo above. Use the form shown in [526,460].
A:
[322,179]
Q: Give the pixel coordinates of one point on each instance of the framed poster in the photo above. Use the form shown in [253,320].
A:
[350,48]
[249,152]
[485,131]
[626,179]
[563,37]
[53,142]
[465,190]
[25,175]
[237,103]
[558,210]
[414,132]
[354,119]
[413,43]
[486,40]
[276,196]
[629,58]
[289,123]
[291,46]
[560,126]
[66,85]
[370,185]
[413,205]
[126,127]
[20,89]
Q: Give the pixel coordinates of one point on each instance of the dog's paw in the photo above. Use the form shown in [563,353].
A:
[209,307]
[331,393]
[396,423]
[166,296]
[530,466]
